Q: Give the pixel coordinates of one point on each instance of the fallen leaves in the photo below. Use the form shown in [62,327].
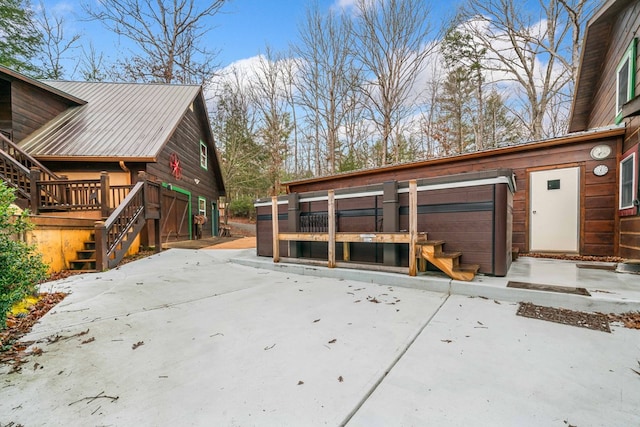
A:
[630,320]
[12,351]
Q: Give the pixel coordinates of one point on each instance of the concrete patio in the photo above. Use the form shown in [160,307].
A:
[222,337]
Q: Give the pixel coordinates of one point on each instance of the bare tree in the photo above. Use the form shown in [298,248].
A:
[391,44]
[529,50]
[274,121]
[167,33]
[289,79]
[233,122]
[92,65]
[56,45]
[326,64]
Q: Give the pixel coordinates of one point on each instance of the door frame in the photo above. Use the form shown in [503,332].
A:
[214,218]
[581,200]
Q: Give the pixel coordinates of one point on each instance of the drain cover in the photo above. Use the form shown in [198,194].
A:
[549,288]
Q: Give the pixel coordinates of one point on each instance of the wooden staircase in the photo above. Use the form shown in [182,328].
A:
[86,261]
[447,262]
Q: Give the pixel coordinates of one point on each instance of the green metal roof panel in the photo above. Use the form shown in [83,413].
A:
[127,120]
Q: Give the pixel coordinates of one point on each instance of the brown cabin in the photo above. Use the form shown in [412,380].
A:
[608,92]
[88,136]
[574,194]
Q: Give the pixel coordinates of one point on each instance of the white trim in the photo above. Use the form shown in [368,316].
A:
[459,184]
[634,183]
[462,184]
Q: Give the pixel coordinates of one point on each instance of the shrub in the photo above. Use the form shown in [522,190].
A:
[242,207]
[21,267]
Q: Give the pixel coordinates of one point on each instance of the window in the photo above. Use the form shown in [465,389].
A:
[204,156]
[202,206]
[627,181]
[625,79]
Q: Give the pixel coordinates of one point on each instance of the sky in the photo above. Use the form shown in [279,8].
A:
[243,28]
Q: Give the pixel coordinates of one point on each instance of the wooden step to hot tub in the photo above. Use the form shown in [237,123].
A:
[447,262]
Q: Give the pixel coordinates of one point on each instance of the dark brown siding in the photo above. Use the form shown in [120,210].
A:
[630,237]
[185,142]
[32,107]
[604,102]
[598,223]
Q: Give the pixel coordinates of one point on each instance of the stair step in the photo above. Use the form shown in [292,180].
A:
[449,255]
[467,268]
[430,243]
[83,261]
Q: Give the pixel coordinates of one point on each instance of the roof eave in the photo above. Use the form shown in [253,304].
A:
[15,75]
[107,159]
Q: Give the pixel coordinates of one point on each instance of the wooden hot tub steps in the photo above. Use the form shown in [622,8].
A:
[447,262]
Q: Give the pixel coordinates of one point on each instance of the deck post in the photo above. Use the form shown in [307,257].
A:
[413,225]
[274,223]
[293,223]
[105,193]
[390,220]
[331,210]
[34,177]
[100,231]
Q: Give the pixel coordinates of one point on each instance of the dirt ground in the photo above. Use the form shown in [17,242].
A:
[243,236]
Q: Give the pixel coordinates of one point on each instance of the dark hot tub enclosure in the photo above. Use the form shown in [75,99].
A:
[471,213]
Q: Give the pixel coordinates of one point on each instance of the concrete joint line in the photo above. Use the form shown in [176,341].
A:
[392,365]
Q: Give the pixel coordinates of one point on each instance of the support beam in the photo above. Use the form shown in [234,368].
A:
[413,225]
[390,220]
[105,192]
[274,222]
[331,209]
[293,223]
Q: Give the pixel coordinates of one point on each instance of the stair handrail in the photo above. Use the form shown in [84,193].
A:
[111,232]
[9,146]
[21,170]
[142,202]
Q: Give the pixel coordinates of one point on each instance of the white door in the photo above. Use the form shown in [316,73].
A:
[554,219]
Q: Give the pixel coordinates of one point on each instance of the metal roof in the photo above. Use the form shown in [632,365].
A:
[124,121]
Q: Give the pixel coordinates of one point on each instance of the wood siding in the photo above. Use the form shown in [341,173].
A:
[32,107]
[630,237]
[598,207]
[185,142]
[621,33]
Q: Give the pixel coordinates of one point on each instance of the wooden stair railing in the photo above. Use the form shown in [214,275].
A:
[116,234]
[15,175]
[20,171]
